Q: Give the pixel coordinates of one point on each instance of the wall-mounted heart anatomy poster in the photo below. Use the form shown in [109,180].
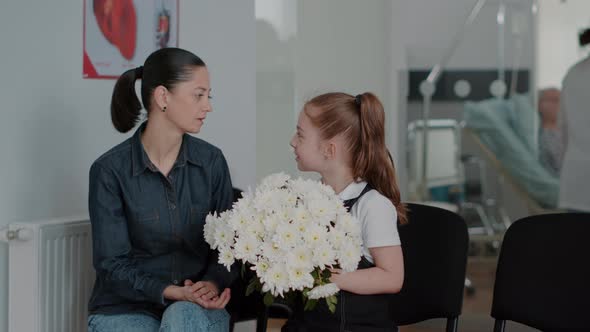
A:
[120,34]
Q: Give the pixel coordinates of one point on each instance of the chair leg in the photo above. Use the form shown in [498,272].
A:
[452,324]
[469,287]
[499,325]
[262,319]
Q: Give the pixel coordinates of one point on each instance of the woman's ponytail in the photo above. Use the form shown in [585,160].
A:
[125,105]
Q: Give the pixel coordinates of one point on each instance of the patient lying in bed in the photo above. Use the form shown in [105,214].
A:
[509,129]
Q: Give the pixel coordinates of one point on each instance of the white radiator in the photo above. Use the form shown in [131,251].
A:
[50,275]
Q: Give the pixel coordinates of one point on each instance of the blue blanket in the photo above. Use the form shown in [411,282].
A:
[507,127]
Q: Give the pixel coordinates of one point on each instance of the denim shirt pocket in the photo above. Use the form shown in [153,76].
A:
[145,215]
[198,214]
[144,228]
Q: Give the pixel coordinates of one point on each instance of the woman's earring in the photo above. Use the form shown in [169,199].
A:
[164,109]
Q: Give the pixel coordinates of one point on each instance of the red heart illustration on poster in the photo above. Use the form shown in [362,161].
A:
[118,23]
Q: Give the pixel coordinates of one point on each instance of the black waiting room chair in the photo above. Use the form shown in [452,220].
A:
[434,243]
[542,277]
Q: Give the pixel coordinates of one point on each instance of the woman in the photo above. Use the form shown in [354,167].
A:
[148,200]
[574,187]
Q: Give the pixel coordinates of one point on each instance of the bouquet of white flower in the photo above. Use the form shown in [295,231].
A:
[290,232]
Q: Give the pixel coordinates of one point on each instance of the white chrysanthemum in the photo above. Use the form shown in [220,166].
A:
[223,235]
[301,216]
[302,187]
[336,237]
[239,220]
[245,202]
[264,201]
[254,227]
[302,227]
[285,214]
[209,230]
[323,291]
[324,256]
[271,251]
[290,199]
[275,181]
[247,248]
[286,236]
[271,222]
[349,256]
[261,267]
[326,190]
[300,278]
[301,257]
[322,210]
[226,257]
[348,225]
[282,199]
[276,279]
[315,236]
[340,208]
[286,228]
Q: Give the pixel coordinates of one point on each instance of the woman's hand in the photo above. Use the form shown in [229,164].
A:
[205,290]
[206,294]
[178,293]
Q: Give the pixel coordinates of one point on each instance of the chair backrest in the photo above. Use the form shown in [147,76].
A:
[542,279]
[434,244]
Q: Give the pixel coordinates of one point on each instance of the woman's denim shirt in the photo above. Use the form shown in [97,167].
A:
[147,229]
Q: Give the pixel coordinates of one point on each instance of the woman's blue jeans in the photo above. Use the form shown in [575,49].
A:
[179,316]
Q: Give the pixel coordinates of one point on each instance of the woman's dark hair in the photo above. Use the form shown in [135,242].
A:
[166,67]
[584,37]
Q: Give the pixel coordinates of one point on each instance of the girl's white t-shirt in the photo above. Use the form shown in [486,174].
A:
[377,215]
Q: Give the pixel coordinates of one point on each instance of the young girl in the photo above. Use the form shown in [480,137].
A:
[342,137]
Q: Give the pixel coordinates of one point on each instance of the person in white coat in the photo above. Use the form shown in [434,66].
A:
[574,191]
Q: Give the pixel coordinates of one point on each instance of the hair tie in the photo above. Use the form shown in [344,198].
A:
[139,71]
[357,99]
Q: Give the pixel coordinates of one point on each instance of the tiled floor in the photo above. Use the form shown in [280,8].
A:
[476,308]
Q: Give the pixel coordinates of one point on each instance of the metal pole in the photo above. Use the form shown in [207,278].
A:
[427,88]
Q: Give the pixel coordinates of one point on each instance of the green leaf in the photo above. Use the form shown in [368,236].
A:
[331,302]
[332,299]
[326,274]
[254,285]
[310,304]
[315,274]
[332,307]
[251,288]
[268,299]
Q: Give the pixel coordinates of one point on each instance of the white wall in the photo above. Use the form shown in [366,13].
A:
[223,33]
[276,30]
[558,49]
[55,124]
[339,45]
[432,25]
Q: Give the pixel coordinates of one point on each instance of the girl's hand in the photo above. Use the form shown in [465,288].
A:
[336,275]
